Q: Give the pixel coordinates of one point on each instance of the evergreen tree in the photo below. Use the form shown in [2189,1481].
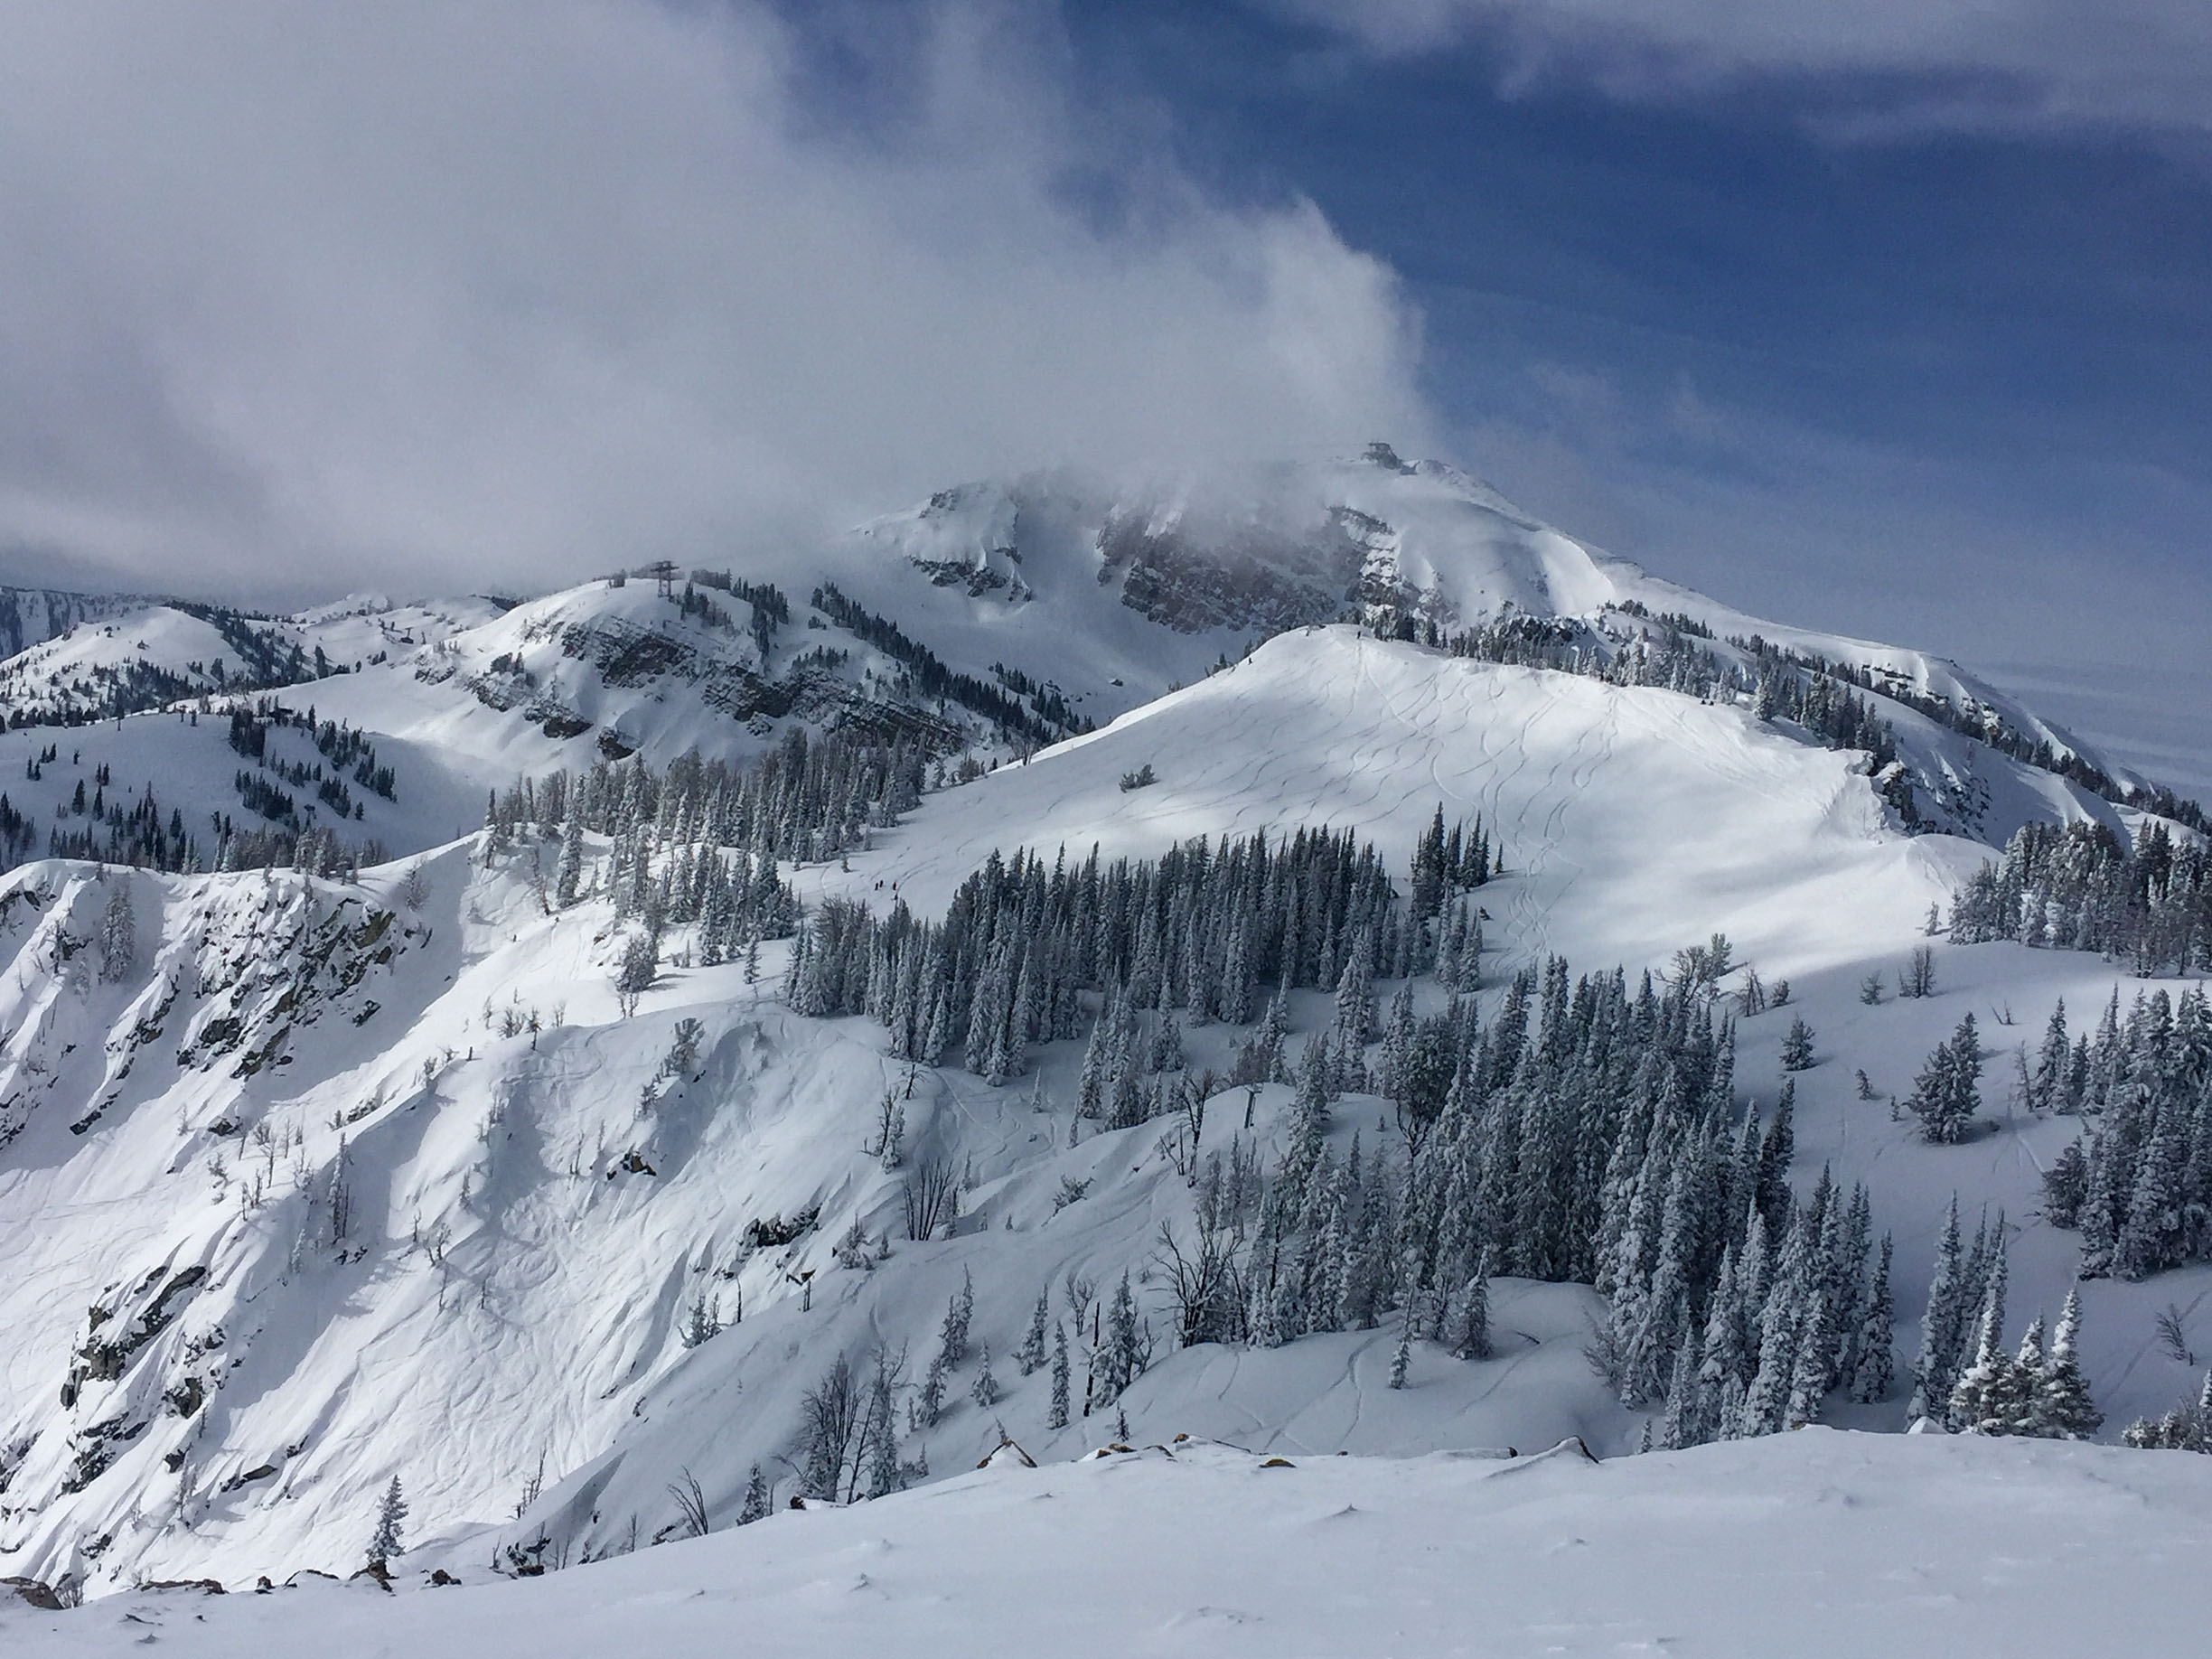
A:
[1058,1417]
[2046,1087]
[569,873]
[1681,1427]
[1797,1046]
[1875,1370]
[702,1323]
[1947,1094]
[387,1543]
[1310,1114]
[984,1391]
[640,965]
[1809,1373]
[1778,1149]
[952,1337]
[1991,1395]
[1767,1399]
[1355,1011]
[1124,1356]
[1030,1355]
[1936,1369]
[2153,1234]
[756,1498]
[2064,1410]
[1471,1340]
[929,1401]
[1722,1365]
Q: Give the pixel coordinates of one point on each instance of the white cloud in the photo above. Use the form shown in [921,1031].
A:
[1912,64]
[426,293]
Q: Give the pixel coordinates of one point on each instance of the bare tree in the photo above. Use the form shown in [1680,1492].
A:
[889,1147]
[690,1506]
[829,1424]
[1205,1283]
[1917,977]
[2172,1337]
[932,1196]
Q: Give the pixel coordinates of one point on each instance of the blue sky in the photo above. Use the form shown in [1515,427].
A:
[1883,315]
[1947,382]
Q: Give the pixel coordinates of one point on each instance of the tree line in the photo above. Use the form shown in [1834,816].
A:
[2075,887]
[2138,1185]
[1591,1132]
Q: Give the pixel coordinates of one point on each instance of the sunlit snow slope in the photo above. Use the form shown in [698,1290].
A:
[215,1365]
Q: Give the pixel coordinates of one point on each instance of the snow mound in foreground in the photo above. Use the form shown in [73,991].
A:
[1814,1544]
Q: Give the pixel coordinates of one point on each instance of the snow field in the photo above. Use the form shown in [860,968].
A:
[1813,1545]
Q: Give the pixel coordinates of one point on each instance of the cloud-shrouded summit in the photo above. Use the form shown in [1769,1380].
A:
[525,290]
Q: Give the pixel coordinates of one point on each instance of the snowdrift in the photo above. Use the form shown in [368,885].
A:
[1811,1544]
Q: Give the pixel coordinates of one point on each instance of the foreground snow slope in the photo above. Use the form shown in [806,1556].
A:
[1819,1544]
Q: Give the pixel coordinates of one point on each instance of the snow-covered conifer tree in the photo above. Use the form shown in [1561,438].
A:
[2047,1086]
[959,1312]
[388,1543]
[1031,1356]
[929,1399]
[1680,1426]
[1984,1397]
[1057,1417]
[1124,1357]
[641,964]
[1797,1046]
[2064,1410]
[1936,1369]
[1875,1368]
[1947,1094]
[1471,1339]
[568,874]
[756,1498]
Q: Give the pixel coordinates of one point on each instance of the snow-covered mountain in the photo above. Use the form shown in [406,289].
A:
[97,659]
[401,1164]
[33,615]
[992,619]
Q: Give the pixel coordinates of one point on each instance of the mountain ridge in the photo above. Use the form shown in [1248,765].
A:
[507,1160]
